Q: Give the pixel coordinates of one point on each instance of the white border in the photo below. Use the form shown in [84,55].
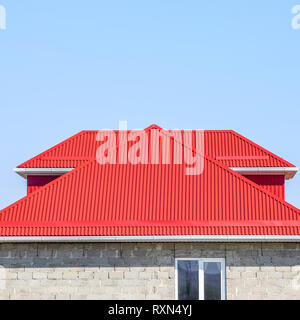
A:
[24,172]
[180,238]
[288,172]
[201,262]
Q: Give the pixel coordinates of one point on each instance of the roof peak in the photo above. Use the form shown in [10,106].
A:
[153,127]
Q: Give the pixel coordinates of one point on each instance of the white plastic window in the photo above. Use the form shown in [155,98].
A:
[200,279]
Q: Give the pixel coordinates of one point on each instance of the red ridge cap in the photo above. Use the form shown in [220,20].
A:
[152,127]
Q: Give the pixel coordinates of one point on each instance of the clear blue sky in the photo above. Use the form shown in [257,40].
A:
[68,65]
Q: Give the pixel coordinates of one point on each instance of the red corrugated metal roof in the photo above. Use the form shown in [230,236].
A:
[234,150]
[148,199]
[226,146]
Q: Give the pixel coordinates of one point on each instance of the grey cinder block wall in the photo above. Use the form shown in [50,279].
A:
[143,270]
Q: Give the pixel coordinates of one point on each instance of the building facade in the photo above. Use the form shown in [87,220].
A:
[145,270]
[145,229]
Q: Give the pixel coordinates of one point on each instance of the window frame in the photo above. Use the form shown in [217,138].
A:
[201,262]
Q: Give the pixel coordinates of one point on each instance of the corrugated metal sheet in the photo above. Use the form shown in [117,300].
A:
[226,146]
[234,150]
[149,200]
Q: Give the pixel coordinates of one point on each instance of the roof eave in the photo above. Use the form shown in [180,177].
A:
[175,238]
[25,172]
[287,172]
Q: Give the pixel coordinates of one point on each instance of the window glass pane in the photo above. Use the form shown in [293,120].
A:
[188,280]
[212,281]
